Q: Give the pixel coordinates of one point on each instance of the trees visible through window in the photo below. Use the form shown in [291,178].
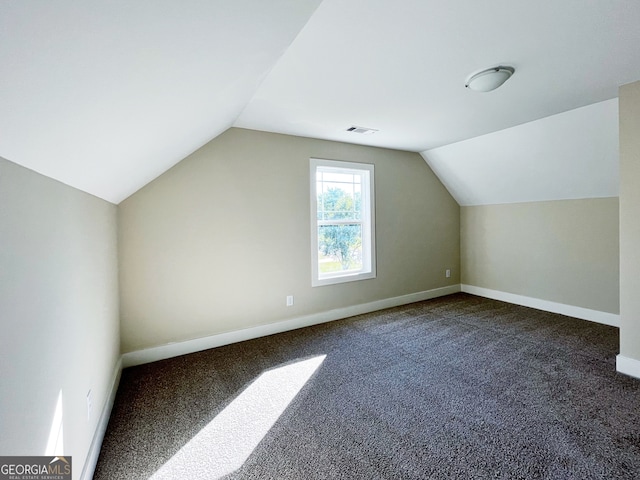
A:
[342,221]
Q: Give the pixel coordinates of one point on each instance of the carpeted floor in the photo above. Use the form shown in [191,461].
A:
[455,387]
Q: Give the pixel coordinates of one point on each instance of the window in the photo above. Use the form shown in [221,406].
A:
[342,222]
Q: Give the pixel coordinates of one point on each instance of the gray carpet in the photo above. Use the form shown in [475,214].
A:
[455,387]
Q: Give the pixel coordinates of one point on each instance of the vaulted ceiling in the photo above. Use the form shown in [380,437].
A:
[105,96]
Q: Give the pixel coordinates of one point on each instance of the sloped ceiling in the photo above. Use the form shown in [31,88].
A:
[401,67]
[105,96]
[570,155]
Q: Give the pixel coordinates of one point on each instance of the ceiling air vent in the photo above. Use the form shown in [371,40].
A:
[362,130]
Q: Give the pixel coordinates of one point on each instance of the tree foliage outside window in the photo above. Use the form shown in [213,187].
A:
[340,242]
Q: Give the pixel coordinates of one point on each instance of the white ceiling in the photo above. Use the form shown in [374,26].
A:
[570,155]
[400,67]
[105,96]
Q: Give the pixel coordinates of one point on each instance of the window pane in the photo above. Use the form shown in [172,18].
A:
[339,248]
[339,196]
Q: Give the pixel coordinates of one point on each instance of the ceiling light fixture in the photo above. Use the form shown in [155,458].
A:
[489,79]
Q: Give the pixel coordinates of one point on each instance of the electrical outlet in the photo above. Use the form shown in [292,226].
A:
[447,273]
[89,405]
[289,300]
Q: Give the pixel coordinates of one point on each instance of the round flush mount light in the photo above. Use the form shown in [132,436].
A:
[489,79]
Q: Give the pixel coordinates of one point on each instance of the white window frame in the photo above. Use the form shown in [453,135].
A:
[368,223]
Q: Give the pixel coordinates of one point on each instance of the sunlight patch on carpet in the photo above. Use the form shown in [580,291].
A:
[226,442]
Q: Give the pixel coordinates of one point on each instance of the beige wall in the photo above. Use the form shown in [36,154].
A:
[561,251]
[217,242]
[58,311]
[629,98]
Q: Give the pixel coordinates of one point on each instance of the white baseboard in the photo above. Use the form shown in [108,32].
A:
[628,366]
[98,436]
[170,350]
[597,316]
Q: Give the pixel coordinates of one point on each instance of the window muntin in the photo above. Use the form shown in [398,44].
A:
[342,230]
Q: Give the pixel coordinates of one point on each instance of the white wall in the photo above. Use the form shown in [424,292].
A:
[58,311]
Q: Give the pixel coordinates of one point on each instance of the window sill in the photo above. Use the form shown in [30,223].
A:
[349,277]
